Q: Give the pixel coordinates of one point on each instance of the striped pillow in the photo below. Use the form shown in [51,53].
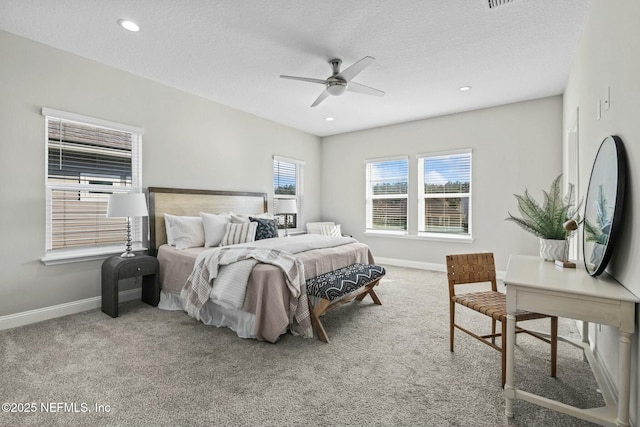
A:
[239,233]
[330,230]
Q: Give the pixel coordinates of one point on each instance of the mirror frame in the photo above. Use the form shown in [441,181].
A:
[620,180]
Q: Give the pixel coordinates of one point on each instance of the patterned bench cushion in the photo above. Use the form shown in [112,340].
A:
[335,284]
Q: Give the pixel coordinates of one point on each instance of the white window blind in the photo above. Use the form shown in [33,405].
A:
[287,184]
[445,193]
[87,160]
[386,204]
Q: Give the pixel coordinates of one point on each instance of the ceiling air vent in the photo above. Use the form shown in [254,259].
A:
[497,3]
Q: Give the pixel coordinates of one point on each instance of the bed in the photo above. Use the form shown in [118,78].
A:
[269,307]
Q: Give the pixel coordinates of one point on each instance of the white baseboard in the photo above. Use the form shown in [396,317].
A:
[422,265]
[46,313]
[412,264]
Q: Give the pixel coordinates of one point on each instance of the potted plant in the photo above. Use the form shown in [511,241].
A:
[553,221]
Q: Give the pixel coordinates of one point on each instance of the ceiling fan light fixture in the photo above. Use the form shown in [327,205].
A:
[336,88]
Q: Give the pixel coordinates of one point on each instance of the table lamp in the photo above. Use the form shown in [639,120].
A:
[129,205]
[286,207]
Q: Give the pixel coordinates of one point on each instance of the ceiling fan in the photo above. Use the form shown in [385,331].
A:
[340,81]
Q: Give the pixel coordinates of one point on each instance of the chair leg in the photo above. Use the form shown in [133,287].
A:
[493,330]
[554,345]
[452,317]
[503,348]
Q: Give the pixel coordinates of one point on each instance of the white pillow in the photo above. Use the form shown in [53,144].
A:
[239,233]
[239,218]
[214,227]
[168,222]
[242,218]
[167,228]
[185,231]
[330,230]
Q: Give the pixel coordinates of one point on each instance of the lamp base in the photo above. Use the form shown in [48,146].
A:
[128,253]
[286,222]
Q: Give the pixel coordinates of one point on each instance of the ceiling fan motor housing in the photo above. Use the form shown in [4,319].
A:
[336,86]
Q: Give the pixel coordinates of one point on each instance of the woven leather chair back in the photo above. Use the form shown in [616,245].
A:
[471,268]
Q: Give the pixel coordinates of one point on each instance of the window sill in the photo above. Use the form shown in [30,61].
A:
[421,236]
[67,256]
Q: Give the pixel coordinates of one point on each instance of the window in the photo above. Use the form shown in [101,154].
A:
[87,160]
[387,194]
[287,185]
[444,186]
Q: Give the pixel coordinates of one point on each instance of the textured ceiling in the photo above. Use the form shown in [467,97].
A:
[233,51]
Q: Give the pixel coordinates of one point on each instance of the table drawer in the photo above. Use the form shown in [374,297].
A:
[132,269]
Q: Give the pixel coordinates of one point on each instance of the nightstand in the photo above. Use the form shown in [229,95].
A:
[116,268]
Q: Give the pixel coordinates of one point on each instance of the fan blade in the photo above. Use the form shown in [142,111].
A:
[304,79]
[321,98]
[360,88]
[356,68]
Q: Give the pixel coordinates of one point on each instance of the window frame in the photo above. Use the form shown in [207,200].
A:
[90,252]
[370,197]
[299,196]
[422,195]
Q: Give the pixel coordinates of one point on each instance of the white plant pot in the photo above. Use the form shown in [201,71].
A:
[551,249]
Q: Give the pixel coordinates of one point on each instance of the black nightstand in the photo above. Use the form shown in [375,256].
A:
[116,268]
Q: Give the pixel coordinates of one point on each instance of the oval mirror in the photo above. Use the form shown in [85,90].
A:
[603,205]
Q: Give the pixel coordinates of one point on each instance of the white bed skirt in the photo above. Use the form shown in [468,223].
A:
[241,322]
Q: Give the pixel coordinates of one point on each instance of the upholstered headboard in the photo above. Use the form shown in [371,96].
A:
[180,201]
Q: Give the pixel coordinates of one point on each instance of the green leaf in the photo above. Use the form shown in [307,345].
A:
[547,220]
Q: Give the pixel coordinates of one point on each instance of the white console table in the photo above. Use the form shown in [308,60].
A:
[535,285]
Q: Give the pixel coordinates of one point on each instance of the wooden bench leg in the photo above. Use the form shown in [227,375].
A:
[374,297]
[315,313]
[370,291]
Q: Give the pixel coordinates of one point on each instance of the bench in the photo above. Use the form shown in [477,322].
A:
[335,288]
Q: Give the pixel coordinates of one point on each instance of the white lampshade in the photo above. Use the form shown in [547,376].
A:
[127,205]
[286,206]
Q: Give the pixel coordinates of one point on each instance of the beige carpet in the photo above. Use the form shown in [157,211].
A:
[385,365]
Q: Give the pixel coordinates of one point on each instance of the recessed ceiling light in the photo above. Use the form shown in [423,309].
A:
[329,119]
[464,88]
[128,25]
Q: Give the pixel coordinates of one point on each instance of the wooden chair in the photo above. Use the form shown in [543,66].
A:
[477,268]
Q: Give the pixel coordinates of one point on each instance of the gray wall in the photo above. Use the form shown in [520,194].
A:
[514,146]
[608,56]
[189,142]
